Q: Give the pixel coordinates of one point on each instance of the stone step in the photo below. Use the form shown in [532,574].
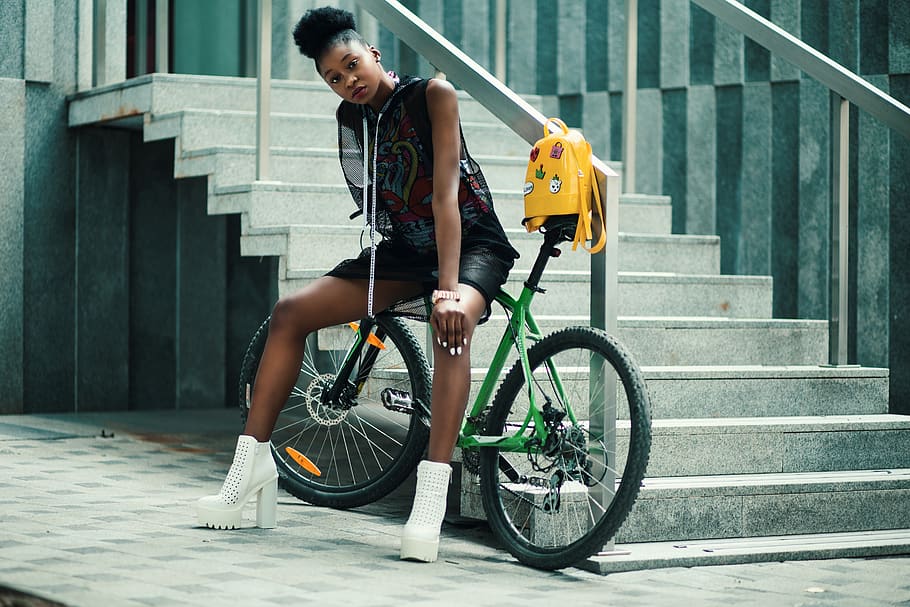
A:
[766,390]
[745,391]
[762,549]
[765,445]
[720,506]
[236,165]
[671,341]
[276,205]
[198,129]
[166,93]
[323,246]
[750,505]
[640,293]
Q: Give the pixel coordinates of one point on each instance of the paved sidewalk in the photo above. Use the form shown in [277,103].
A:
[96,510]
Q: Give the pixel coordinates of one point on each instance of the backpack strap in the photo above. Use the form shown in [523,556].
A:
[586,212]
[598,215]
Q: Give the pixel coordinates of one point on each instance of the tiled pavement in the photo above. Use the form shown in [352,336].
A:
[96,510]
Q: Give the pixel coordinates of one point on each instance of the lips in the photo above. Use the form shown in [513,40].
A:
[358,92]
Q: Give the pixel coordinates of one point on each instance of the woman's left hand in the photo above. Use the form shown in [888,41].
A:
[448,322]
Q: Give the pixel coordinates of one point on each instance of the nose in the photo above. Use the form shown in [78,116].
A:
[352,79]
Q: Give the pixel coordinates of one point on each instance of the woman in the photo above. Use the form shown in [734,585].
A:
[441,239]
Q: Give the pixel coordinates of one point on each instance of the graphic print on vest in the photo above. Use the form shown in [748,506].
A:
[405,186]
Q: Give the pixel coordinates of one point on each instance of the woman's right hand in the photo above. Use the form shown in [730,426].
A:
[447,320]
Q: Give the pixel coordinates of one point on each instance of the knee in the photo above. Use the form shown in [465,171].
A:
[287,317]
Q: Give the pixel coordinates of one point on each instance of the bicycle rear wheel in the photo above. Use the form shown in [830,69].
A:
[362,447]
[561,501]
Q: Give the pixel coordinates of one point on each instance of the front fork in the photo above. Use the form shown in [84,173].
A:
[354,355]
[392,399]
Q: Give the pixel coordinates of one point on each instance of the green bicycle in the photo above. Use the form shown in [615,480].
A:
[560,452]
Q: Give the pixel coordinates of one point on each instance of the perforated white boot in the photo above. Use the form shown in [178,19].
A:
[252,474]
[420,539]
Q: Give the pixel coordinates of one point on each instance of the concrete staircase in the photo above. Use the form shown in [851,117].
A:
[753,437]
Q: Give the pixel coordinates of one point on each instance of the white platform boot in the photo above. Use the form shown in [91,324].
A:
[420,539]
[252,474]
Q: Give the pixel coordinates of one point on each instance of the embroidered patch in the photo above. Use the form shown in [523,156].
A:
[555,184]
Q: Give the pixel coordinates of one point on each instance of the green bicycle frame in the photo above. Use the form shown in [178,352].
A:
[521,328]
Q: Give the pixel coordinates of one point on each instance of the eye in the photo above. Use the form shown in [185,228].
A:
[353,64]
[333,80]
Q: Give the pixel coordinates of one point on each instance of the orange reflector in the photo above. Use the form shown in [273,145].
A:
[375,341]
[303,460]
[371,338]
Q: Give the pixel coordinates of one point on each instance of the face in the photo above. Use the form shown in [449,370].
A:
[353,71]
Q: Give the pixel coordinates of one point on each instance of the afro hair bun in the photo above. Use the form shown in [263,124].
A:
[319,26]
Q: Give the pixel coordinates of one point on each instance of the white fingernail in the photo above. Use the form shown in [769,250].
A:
[438,341]
[464,340]
[458,349]
[452,351]
[445,345]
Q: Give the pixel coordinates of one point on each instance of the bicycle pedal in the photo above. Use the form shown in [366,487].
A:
[401,402]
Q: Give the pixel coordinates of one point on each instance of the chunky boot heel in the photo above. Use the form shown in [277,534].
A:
[252,474]
[267,506]
[420,539]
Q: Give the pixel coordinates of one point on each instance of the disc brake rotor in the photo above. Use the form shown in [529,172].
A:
[324,414]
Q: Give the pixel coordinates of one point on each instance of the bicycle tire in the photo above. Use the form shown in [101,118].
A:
[579,528]
[371,450]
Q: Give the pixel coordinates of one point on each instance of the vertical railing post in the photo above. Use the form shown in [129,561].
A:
[99,46]
[629,98]
[838,297]
[109,42]
[604,315]
[162,37]
[140,54]
[263,90]
[499,69]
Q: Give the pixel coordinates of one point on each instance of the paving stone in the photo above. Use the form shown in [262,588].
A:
[130,539]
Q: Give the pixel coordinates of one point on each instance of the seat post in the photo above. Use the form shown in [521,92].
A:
[547,250]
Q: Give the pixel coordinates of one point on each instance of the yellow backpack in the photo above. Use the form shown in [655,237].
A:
[560,181]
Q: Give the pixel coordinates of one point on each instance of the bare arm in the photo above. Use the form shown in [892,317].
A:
[442,106]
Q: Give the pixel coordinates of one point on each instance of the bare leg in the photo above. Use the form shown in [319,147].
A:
[452,382]
[323,303]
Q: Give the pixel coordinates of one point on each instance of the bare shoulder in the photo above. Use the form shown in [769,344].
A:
[441,94]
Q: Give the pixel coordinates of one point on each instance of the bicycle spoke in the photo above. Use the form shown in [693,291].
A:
[370,443]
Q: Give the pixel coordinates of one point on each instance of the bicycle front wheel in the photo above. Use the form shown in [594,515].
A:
[363,444]
[563,499]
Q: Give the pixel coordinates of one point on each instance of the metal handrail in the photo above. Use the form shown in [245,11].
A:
[822,68]
[848,88]
[264,90]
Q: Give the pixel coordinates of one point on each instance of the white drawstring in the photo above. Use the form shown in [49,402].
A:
[371,198]
[372,192]
[368,194]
